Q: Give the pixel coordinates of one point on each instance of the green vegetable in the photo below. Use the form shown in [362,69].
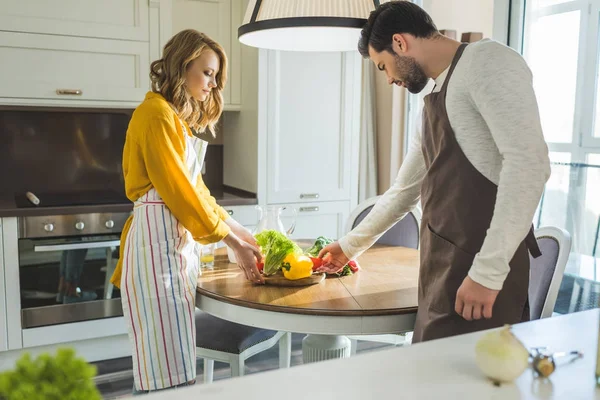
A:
[60,377]
[345,272]
[275,247]
[318,246]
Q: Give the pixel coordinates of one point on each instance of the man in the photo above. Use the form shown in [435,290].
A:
[478,164]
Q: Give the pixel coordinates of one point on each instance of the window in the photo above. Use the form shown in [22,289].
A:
[554,71]
[560,41]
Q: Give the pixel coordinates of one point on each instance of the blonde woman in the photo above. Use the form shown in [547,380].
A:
[173,210]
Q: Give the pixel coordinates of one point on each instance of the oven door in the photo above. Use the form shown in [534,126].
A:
[65,280]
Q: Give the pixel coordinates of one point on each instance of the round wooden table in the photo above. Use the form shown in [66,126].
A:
[381,298]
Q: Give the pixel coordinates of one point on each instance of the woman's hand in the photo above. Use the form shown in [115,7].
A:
[241,232]
[246,255]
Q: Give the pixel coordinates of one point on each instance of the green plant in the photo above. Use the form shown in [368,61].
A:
[60,377]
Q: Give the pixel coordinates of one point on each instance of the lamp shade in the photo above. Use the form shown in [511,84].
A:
[305,25]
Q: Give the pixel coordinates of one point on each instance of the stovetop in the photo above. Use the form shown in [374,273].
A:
[70,199]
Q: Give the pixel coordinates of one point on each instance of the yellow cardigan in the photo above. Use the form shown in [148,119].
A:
[153,156]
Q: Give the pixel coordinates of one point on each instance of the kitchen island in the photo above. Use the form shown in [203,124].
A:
[440,369]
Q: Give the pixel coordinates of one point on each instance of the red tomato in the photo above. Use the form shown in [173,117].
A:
[317,262]
[353,265]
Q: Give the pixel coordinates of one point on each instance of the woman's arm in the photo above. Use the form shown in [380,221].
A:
[163,148]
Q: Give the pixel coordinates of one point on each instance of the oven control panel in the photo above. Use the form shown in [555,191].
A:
[71,225]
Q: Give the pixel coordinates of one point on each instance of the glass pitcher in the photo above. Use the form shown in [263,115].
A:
[270,218]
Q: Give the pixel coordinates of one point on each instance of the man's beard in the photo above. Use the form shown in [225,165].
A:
[414,78]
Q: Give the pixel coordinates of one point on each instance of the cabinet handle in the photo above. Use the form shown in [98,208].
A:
[309,196]
[309,209]
[77,246]
[230,212]
[76,92]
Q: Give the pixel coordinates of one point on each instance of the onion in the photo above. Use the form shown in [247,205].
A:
[501,356]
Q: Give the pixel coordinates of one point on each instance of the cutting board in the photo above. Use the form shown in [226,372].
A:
[279,280]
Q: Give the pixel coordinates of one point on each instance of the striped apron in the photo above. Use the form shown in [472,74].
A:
[158,287]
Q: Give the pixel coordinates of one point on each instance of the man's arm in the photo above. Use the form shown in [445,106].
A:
[501,88]
[393,205]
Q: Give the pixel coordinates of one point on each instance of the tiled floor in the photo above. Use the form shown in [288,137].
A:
[267,360]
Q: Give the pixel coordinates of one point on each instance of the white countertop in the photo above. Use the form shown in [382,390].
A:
[439,369]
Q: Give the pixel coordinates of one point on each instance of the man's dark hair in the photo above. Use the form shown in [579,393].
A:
[391,18]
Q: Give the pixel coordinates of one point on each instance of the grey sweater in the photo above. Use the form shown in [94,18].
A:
[493,111]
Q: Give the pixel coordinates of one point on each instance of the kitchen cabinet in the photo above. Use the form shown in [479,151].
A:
[245,215]
[295,140]
[110,19]
[317,219]
[311,112]
[312,219]
[80,53]
[72,69]
[307,126]
[219,19]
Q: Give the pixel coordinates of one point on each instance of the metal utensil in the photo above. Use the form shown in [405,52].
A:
[545,364]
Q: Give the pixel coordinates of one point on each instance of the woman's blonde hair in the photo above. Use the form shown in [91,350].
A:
[168,78]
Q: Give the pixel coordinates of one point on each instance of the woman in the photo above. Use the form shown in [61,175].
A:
[173,210]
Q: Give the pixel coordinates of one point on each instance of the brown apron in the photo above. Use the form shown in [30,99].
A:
[458,204]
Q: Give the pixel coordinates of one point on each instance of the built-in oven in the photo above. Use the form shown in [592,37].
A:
[65,266]
[62,171]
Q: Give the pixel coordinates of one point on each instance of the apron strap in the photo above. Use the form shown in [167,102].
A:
[532,244]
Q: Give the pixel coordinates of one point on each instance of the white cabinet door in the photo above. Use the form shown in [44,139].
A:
[313,114]
[72,68]
[317,219]
[245,215]
[114,19]
[218,19]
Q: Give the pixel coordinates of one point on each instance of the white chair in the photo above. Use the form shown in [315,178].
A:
[545,276]
[404,233]
[546,271]
[225,341]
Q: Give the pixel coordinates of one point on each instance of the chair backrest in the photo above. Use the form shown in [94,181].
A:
[405,233]
[546,271]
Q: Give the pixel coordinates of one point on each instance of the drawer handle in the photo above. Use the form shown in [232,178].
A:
[309,209]
[309,196]
[230,212]
[76,92]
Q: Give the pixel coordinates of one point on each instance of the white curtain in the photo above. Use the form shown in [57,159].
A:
[367,175]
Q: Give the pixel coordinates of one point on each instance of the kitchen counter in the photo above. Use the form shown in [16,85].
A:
[225,196]
[440,369]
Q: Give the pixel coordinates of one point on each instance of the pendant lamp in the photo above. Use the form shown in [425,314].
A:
[305,25]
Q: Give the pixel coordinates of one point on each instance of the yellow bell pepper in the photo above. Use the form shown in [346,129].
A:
[296,267]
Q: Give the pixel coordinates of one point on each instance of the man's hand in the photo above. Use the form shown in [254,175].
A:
[333,257]
[474,301]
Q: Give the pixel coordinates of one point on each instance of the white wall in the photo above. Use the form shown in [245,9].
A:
[462,15]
